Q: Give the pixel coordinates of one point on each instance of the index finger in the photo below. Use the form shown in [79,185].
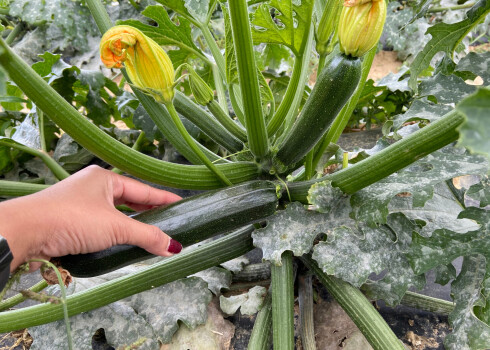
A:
[130,191]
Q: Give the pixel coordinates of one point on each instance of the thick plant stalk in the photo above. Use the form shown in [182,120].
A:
[391,159]
[109,149]
[249,83]
[282,286]
[424,302]
[168,270]
[226,121]
[193,144]
[307,328]
[14,33]
[209,125]
[261,333]
[359,309]
[52,165]
[17,188]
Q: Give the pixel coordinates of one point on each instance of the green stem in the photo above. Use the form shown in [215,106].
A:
[42,131]
[393,158]
[455,7]
[309,170]
[215,51]
[342,119]
[17,189]
[281,112]
[288,109]
[179,266]
[136,146]
[165,124]
[249,84]
[57,169]
[359,309]
[193,145]
[424,302]
[282,285]
[236,102]
[61,283]
[305,299]
[19,298]
[260,337]
[206,123]
[14,33]
[220,88]
[321,63]
[108,149]
[226,121]
[99,14]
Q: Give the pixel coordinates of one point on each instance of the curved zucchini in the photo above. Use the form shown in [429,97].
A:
[189,221]
[335,85]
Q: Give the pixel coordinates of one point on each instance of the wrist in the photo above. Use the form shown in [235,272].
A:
[18,226]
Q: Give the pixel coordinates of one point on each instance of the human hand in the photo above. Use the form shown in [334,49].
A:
[77,216]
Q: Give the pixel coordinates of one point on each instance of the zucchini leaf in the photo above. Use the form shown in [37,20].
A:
[354,253]
[70,17]
[446,38]
[480,192]
[154,314]
[168,33]
[478,64]
[295,229]
[216,278]
[283,22]
[471,288]
[193,10]
[370,204]
[445,88]
[474,133]
[421,109]
[469,332]
[249,303]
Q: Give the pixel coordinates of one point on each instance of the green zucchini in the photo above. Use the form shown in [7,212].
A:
[188,221]
[334,86]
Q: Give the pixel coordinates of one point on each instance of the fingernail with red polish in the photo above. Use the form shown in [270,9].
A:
[174,246]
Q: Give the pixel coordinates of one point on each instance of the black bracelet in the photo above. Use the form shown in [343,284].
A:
[5,259]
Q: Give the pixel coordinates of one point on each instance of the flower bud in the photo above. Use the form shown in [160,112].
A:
[200,90]
[147,64]
[361,25]
[326,34]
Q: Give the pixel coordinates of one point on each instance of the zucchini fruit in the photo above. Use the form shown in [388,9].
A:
[334,86]
[188,221]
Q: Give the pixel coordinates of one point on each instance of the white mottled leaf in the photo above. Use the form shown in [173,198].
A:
[370,204]
[441,211]
[469,333]
[293,229]
[216,278]
[477,63]
[421,110]
[353,254]
[236,265]
[445,88]
[249,303]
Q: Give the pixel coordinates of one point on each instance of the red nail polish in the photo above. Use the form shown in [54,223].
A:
[174,246]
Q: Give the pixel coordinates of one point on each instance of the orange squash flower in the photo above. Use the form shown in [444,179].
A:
[147,64]
[361,25]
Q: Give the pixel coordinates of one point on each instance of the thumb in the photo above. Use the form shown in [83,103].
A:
[148,237]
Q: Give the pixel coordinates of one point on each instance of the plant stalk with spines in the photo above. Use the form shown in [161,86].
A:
[260,336]
[359,309]
[249,83]
[282,286]
[179,266]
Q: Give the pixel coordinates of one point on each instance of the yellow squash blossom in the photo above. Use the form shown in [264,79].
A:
[361,25]
[146,63]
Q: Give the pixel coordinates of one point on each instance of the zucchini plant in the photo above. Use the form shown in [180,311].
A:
[265,159]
